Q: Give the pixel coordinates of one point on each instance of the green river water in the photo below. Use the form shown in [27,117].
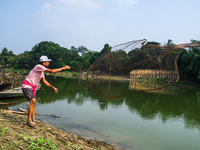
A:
[166,119]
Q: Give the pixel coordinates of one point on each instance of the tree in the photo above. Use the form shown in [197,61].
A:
[85,61]
[59,55]
[106,47]
[94,57]
[195,65]
[82,49]
[7,57]
[188,62]
[123,55]
[153,43]
[196,50]
[4,52]
[169,42]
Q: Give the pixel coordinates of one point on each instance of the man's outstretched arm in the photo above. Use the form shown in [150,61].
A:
[57,70]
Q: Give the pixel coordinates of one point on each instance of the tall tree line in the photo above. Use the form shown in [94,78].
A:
[77,57]
[80,58]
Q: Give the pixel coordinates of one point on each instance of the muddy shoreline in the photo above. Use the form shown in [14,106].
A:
[15,134]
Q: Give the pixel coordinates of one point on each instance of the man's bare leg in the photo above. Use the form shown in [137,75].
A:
[33,114]
[30,112]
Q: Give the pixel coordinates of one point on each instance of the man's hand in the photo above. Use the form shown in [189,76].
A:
[66,67]
[55,89]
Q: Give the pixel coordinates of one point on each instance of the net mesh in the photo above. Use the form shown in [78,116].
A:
[135,62]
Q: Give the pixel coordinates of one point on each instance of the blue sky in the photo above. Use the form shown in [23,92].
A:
[93,23]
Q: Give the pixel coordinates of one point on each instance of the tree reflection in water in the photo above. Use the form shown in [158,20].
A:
[133,116]
[173,102]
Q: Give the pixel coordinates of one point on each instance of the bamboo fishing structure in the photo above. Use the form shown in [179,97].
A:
[151,73]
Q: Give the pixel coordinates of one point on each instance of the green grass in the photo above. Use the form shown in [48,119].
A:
[39,144]
[3,130]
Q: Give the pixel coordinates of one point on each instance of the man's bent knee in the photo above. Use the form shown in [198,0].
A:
[33,101]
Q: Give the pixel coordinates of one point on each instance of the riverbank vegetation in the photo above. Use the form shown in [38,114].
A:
[80,58]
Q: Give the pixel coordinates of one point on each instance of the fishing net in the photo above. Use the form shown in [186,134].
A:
[141,66]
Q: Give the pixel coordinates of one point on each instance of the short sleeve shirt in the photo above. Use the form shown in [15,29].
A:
[35,75]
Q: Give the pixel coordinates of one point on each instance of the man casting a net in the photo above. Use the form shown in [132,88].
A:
[29,85]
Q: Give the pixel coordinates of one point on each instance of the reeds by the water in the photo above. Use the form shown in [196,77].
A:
[151,73]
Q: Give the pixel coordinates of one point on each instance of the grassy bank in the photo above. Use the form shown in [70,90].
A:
[15,134]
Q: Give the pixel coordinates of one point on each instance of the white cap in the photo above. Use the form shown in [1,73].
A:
[44,58]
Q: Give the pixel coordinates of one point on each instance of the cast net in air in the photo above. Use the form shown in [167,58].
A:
[142,66]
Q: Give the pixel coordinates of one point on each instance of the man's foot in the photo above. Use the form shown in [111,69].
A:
[30,123]
[34,123]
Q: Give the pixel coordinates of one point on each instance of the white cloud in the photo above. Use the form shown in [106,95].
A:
[85,22]
[47,6]
[83,3]
[126,3]
[62,15]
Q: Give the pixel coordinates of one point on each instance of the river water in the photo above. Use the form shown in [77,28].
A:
[167,119]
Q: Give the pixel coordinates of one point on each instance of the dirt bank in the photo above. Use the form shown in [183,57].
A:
[15,134]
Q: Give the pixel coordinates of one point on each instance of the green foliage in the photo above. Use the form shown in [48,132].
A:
[69,144]
[189,62]
[4,52]
[195,65]
[7,57]
[94,57]
[17,66]
[3,130]
[106,47]
[184,61]
[81,58]
[153,43]
[147,55]
[169,42]
[196,50]
[60,56]
[40,144]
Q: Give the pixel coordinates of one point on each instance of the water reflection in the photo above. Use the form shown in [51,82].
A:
[170,103]
[184,103]
[12,103]
[135,85]
[144,119]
